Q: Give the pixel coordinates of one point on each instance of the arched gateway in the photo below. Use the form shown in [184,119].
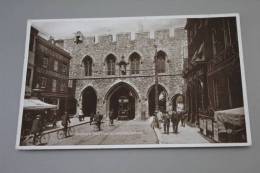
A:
[162,96]
[122,100]
[89,101]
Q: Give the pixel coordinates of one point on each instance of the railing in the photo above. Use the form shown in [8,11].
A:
[217,133]
[208,127]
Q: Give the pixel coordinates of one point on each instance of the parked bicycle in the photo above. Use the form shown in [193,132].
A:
[41,139]
[65,132]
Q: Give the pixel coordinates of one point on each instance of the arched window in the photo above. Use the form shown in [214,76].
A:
[111,61]
[161,56]
[134,63]
[87,61]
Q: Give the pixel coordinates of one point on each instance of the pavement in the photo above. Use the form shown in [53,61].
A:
[185,135]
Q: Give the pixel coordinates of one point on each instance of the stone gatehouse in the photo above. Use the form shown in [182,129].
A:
[117,72]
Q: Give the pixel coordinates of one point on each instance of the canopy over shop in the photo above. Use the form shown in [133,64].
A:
[36,104]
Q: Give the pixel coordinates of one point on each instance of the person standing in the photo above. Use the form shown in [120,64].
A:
[166,122]
[183,119]
[98,119]
[175,121]
[65,122]
[35,130]
[111,117]
[54,120]
[92,115]
[159,118]
[80,114]
[180,110]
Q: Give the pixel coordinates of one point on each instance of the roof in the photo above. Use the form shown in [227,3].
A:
[54,47]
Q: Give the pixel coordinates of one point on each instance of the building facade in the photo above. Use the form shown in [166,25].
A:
[116,73]
[51,72]
[212,72]
[30,64]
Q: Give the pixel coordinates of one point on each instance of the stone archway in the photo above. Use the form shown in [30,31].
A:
[89,101]
[162,94]
[122,99]
[176,99]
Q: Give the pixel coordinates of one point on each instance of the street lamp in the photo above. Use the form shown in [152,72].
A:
[156,80]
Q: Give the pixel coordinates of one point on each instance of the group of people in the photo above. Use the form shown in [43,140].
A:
[169,117]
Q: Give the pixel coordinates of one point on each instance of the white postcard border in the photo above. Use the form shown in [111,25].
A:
[123,146]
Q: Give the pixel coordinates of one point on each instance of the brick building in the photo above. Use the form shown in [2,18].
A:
[51,72]
[116,73]
[212,72]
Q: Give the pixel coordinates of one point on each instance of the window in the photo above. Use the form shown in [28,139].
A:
[54,85]
[161,56]
[55,65]
[70,83]
[44,62]
[43,82]
[111,61]
[135,63]
[87,61]
[31,42]
[64,69]
[62,86]
[28,76]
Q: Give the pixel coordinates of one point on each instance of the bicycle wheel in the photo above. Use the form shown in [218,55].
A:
[60,134]
[71,131]
[37,140]
[44,139]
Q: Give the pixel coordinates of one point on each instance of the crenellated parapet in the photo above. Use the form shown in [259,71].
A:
[158,35]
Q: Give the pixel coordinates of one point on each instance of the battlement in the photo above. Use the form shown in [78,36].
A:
[142,36]
[164,34]
[180,33]
[105,38]
[123,37]
[90,40]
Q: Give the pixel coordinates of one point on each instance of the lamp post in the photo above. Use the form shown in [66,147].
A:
[156,80]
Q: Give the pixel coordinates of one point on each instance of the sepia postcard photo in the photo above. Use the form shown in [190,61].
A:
[133,82]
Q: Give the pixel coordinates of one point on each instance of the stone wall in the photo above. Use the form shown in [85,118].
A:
[122,48]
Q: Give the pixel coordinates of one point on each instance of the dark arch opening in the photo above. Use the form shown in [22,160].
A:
[122,100]
[178,98]
[89,101]
[162,94]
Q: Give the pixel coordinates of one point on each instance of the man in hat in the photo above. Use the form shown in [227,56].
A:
[65,122]
[35,130]
[98,118]
[166,122]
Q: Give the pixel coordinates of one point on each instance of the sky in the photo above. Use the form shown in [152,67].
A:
[66,28]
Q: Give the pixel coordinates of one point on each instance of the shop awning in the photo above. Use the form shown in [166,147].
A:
[36,104]
[235,116]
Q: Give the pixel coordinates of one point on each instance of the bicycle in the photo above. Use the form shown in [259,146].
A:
[61,132]
[40,139]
